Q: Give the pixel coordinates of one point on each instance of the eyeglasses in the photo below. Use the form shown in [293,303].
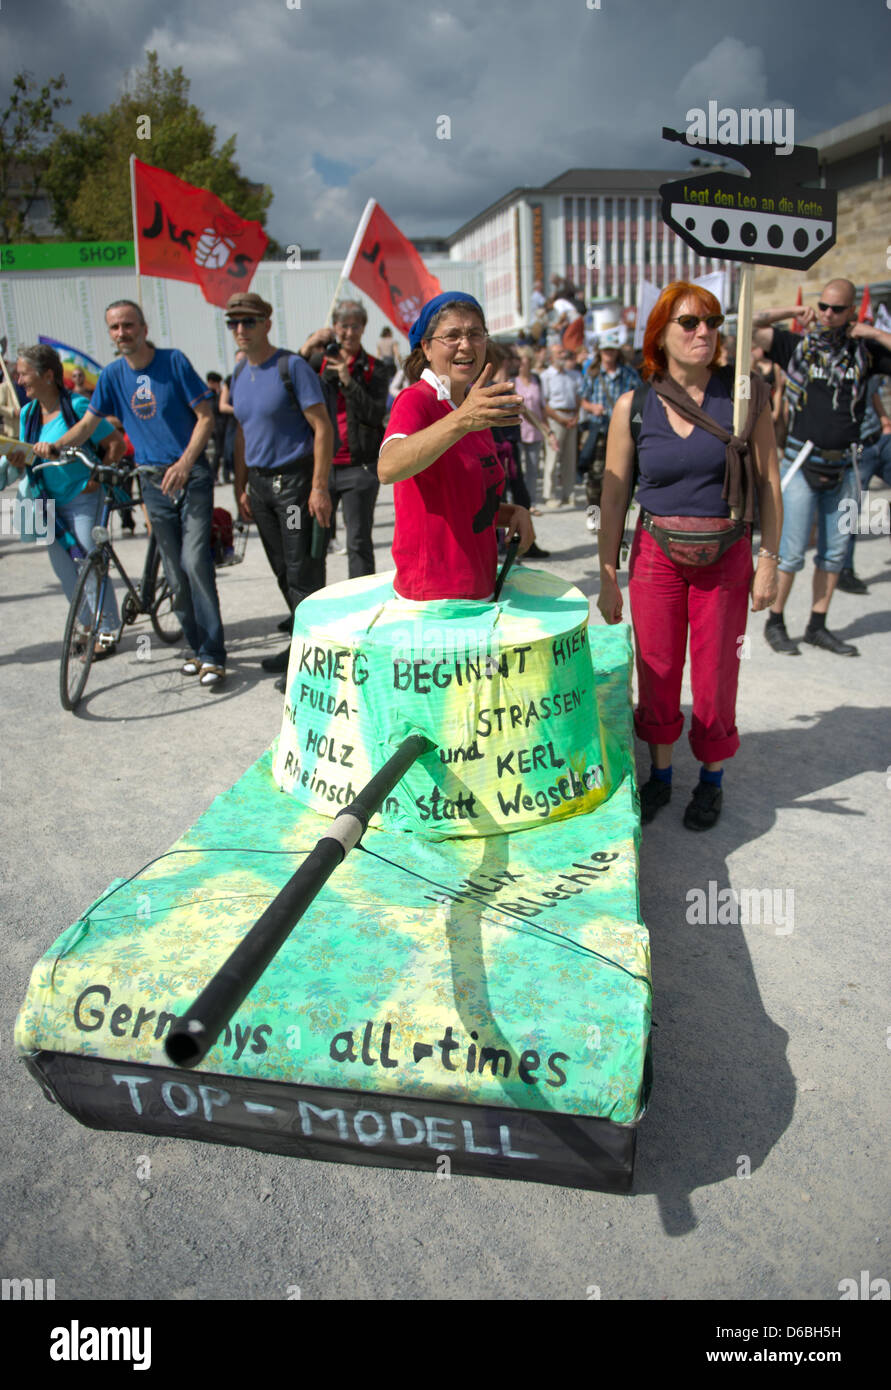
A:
[690,322]
[832,308]
[234,323]
[475,338]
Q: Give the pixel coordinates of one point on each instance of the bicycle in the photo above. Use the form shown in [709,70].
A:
[153,597]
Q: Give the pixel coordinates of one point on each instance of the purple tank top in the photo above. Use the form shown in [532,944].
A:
[683,477]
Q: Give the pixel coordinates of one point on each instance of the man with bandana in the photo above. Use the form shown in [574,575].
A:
[827,369]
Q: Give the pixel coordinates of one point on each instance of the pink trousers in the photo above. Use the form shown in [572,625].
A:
[712,602]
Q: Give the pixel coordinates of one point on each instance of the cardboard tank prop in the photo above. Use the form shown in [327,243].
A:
[467,990]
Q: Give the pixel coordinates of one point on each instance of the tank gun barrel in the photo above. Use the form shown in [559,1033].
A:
[193,1035]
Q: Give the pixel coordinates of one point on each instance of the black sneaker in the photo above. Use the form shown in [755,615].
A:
[285,625]
[850,584]
[280,684]
[704,808]
[776,636]
[276,663]
[535,552]
[653,796]
[821,637]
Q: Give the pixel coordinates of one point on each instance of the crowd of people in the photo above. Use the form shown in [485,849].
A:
[461,424]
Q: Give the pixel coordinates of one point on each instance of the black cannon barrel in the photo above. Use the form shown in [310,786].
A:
[193,1035]
[512,551]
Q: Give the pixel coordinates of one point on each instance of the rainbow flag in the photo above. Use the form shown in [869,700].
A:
[71,358]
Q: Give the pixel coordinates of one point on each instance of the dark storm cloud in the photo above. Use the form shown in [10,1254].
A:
[355,89]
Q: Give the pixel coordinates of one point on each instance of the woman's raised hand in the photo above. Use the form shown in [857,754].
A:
[488,405]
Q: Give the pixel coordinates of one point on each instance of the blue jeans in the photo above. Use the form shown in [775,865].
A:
[80,515]
[875,460]
[183,537]
[800,505]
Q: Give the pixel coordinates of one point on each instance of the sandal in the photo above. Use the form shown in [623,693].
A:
[211,675]
[192,667]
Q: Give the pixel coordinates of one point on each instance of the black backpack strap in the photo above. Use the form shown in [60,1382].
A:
[638,400]
[284,371]
[328,391]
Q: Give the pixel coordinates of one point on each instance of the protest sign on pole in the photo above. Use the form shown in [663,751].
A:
[771,218]
[384,265]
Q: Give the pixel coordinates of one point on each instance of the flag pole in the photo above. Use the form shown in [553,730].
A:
[135,230]
[352,253]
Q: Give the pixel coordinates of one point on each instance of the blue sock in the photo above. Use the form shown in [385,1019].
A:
[661,774]
[712,778]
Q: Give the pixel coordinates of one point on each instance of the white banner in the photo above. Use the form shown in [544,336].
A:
[716,283]
[161,335]
[88,337]
[8,329]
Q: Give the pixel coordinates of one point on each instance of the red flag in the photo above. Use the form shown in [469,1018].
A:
[384,265]
[865,315]
[187,233]
[796,325]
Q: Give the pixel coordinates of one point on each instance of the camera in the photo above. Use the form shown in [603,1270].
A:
[332,349]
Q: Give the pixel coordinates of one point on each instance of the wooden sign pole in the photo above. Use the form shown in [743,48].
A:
[743,346]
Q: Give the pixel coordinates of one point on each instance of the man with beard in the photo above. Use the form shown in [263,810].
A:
[827,369]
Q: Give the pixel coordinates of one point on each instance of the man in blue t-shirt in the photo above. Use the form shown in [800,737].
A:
[283,450]
[167,413]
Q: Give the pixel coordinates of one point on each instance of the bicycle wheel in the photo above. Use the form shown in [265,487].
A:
[79,641]
[164,620]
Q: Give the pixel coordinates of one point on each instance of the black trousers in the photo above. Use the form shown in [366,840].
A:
[356,488]
[281,511]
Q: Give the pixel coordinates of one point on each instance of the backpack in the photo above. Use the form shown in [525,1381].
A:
[329,393]
[638,401]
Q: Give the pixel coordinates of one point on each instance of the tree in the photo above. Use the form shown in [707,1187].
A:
[26,129]
[89,172]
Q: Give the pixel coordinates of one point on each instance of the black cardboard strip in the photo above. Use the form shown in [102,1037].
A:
[341,1126]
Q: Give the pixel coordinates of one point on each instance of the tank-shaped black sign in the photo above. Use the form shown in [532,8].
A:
[768,219]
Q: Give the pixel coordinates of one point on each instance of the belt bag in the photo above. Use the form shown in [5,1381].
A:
[821,476]
[693,540]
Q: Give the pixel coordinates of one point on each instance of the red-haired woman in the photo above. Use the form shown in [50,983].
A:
[691,560]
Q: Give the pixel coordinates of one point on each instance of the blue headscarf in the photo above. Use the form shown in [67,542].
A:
[432,307]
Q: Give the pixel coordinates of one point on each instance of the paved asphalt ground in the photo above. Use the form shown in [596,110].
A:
[771,1046]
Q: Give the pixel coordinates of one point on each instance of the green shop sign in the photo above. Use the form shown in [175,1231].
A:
[67,255]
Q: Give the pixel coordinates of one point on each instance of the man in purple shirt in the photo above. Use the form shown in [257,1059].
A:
[167,413]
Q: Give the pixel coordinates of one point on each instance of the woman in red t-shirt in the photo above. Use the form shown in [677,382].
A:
[439,452]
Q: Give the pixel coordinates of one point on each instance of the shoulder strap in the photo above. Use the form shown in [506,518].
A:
[328,391]
[239,367]
[638,400]
[67,408]
[284,371]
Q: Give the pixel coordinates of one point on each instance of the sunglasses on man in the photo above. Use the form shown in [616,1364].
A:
[690,322]
[247,322]
[832,308]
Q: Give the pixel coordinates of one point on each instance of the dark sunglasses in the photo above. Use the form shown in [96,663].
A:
[690,322]
[832,308]
[248,323]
